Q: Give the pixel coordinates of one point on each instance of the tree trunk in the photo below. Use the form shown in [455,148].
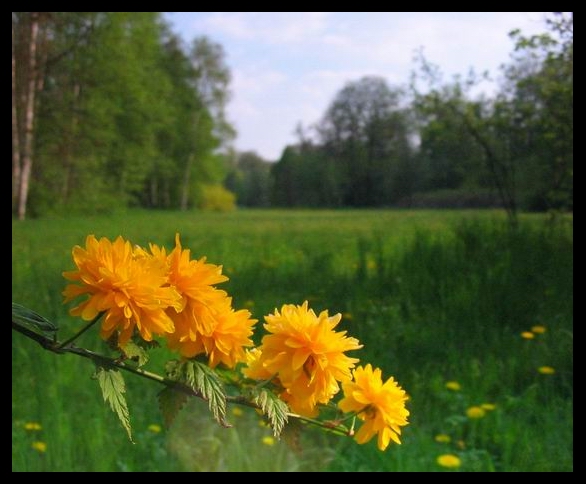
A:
[15,135]
[186,180]
[29,116]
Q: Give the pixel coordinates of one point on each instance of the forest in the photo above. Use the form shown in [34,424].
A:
[113,110]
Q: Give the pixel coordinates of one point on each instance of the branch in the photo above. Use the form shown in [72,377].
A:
[56,347]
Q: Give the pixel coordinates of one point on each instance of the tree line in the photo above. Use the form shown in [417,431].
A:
[112,109]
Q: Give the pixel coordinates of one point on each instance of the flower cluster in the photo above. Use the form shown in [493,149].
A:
[306,358]
[145,292]
[154,293]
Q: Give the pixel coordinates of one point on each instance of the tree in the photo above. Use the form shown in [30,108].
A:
[249,179]
[367,133]
[539,89]
[210,129]
[29,52]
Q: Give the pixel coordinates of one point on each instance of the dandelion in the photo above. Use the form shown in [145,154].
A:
[527,335]
[443,438]
[305,354]
[39,446]
[546,370]
[381,406]
[237,411]
[475,412]
[268,440]
[132,290]
[32,426]
[154,428]
[539,329]
[453,385]
[488,406]
[449,461]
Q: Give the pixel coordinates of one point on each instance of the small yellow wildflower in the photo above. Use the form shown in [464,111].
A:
[453,385]
[32,426]
[527,335]
[475,412]
[449,461]
[39,446]
[237,411]
[268,440]
[488,406]
[546,370]
[154,428]
[443,438]
[461,444]
[539,329]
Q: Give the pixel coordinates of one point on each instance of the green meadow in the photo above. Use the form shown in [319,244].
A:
[473,319]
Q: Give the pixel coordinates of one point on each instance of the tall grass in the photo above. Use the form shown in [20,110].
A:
[433,296]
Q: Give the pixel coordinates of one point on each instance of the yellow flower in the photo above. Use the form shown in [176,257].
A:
[39,446]
[449,461]
[381,406]
[527,335]
[546,370]
[33,426]
[539,329]
[154,428]
[443,438]
[254,366]
[488,406]
[453,385]
[237,411]
[268,440]
[207,324]
[132,290]
[306,355]
[475,412]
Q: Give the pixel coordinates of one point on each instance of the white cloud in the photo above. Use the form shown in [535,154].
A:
[271,27]
[288,66]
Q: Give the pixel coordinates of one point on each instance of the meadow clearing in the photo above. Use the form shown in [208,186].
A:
[474,320]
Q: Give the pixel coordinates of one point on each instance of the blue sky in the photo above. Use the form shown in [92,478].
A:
[288,66]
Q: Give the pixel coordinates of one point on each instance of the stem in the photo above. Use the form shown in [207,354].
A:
[65,347]
[81,331]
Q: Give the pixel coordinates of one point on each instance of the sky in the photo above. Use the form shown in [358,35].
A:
[287,67]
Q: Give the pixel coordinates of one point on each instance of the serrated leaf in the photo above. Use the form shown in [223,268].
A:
[171,402]
[134,352]
[31,320]
[112,384]
[204,380]
[274,408]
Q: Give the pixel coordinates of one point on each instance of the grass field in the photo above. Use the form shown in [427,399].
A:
[434,296]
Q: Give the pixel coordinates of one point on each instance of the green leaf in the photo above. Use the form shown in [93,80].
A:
[173,370]
[170,402]
[29,319]
[134,352]
[273,407]
[113,388]
[204,380]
